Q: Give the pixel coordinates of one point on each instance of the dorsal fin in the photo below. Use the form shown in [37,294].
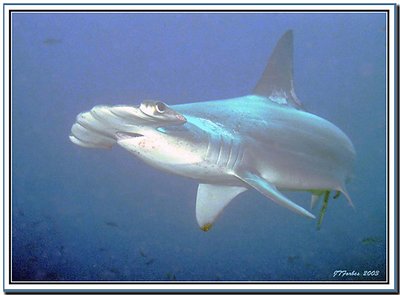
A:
[276,82]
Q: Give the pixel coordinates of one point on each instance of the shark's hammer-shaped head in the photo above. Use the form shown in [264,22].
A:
[152,131]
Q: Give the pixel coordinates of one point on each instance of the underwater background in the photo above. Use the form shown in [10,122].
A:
[88,214]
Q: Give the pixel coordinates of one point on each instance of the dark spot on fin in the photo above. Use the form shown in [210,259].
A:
[206,227]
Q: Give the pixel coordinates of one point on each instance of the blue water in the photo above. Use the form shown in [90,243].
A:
[86,214]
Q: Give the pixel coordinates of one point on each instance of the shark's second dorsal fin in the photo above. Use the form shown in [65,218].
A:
[276,82]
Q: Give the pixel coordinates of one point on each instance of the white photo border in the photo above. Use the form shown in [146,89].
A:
[391,285]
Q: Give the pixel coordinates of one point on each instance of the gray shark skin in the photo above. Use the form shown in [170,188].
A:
[264,140]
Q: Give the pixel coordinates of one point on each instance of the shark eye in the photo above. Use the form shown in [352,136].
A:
[160,107]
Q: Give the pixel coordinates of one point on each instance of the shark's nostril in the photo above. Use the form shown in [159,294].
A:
[181,118]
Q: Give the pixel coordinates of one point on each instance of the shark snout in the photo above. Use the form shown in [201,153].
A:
[104,125]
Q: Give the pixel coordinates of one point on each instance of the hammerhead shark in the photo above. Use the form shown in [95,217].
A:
[265,141]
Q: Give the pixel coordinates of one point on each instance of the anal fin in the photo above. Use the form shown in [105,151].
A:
[211,201]
[270,191]
[314,200]
[315,197]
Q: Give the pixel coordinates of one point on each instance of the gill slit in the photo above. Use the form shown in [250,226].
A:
[221,148]
[231,147]
[209,147]
[238,159]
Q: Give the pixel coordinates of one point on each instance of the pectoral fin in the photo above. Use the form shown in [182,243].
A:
[211,200]
[270,191]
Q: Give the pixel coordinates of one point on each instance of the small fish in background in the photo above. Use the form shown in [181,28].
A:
[142,253]
[30,247]
[52,41]
[113,270]
[33,259]
[150,261]
[60,251]
[111,224]
[293,258]
[108,273]
[52,276]
[37,223]
[371,241]
[170,276]
[21,212]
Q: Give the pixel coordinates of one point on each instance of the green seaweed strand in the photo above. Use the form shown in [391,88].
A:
[323,210]
[336,195]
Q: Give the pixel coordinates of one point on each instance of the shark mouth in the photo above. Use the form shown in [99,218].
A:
[121,135]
